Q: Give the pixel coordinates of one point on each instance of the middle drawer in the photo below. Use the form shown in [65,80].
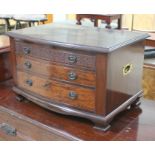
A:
[56,71]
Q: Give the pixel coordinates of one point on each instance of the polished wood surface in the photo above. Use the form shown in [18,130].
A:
[108,18]
[120,86]
[56,71]
[78,37]
[24,128]
[13,60]
[150,41]
[116,83]
[56,54]
[134,124]
[101,84]
[58,92]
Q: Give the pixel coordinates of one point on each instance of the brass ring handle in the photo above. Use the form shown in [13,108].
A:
[26,50]
[8,129]
[127,69]
[72,95]
[72,59]
[28,65]
[29,82]
[72,76]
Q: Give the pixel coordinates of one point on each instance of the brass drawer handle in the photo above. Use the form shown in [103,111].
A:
[29,82]
[72,76]
[72,95]
[72,59]
[28,65]
[26,50]
[8,129]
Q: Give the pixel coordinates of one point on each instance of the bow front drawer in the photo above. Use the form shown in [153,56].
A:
[56,55]
[60,93]
[56,71]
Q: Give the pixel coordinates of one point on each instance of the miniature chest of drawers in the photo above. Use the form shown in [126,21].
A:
[74,70]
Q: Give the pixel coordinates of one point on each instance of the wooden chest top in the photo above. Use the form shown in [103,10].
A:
[79,37]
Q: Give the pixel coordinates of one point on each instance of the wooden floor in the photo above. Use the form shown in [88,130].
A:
[134,124]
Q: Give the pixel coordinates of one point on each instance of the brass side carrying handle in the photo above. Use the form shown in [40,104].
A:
[72,95]
[127,69]
[8,129]
[29,82]
[26,50]
[72,76]
[28,65]
[72,59]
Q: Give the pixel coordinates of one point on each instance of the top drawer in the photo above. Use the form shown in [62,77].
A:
[55,54]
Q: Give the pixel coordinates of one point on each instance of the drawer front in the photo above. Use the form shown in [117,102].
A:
[56,71]
[75,96]
[14,126]
[56,55]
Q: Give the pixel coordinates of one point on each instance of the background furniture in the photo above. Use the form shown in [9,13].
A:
[20,19]
[28,121]
[5,66]
[108,18]
[31,19]
[6,18]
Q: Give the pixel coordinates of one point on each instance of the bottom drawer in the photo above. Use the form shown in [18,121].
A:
[79,97]
[14,126]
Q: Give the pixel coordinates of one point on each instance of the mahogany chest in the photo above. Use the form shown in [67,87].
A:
[74,70]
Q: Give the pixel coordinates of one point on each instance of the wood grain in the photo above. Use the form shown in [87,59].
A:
[27,129]
[134,124]
[59,92]
[56,54]
[86,50]
[101,86]
[56,71]
[13,60]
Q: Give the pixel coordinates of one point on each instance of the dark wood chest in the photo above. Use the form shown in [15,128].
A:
[73,70]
